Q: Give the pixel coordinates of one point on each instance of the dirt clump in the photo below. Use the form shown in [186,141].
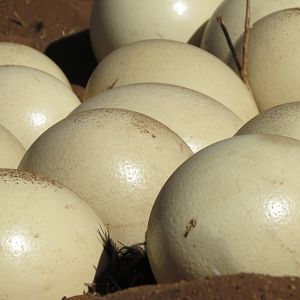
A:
[234,287]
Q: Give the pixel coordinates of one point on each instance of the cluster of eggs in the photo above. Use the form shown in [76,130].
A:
[159,145]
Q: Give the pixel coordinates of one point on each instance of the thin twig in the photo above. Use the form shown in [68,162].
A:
[246,45]
[111,86]
[241,67]
[20,21]
[220,20]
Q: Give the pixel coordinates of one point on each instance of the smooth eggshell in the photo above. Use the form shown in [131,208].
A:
[17,54]
[274,60]
[233,12]
[32,101]
[115,160]
[48,239]
[198,119]
[233,207]
[115,23]
[175,63]
[279,120]
[11,150]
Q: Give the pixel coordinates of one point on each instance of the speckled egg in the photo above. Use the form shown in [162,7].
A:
[49,242]
[198,119]
[116,160]
[279,120]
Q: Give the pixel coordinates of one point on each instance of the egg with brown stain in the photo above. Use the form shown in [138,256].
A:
[231,208]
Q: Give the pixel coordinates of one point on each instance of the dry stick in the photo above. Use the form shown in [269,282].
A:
[246,45]
[242,68]
[21,22]
[220,20]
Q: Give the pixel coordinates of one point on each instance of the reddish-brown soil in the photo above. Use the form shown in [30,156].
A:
[57,27]
[238,287]
[60,29]
[40,22]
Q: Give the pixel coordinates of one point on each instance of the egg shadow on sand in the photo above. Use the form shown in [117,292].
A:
[74,55]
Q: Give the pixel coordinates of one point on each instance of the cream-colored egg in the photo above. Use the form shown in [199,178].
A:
[48,239]
[280,120]
[11,150]
[17,54]
[32,101]
[233,207]
[116,23]
[233,12]
[173,63]
[274,60]
[198,119]
[116,160]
